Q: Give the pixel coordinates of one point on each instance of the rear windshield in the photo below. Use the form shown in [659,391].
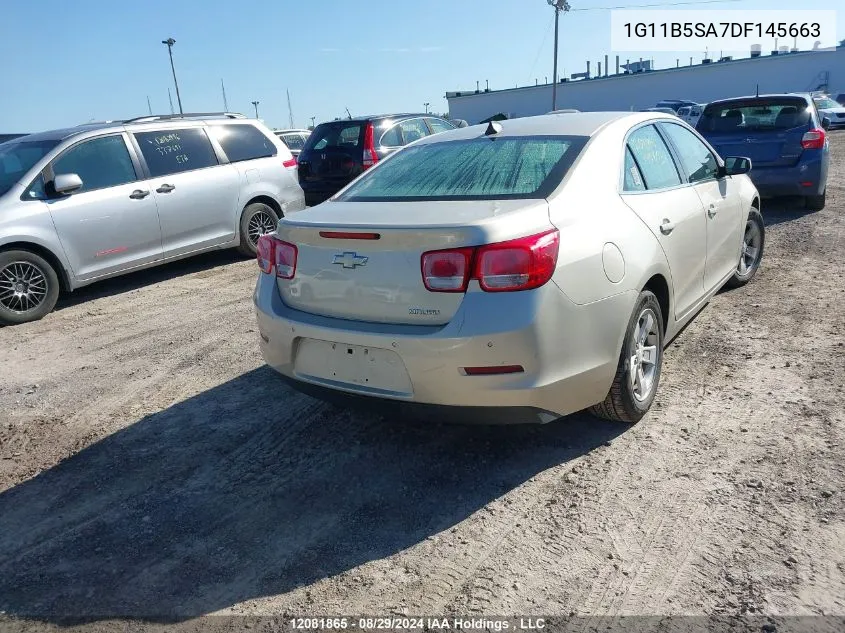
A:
[471,169]
[754,115]
[17,158]
[335,135]
[293,141]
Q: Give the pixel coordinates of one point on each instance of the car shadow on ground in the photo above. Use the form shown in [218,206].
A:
[780,210]
[149,276]
[250,490]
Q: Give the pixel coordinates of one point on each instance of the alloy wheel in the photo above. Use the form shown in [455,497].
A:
[260,224]
[644,355]
[23,286]
[750,254]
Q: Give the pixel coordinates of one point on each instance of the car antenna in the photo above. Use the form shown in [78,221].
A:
[493,128]
[348,112]
[758,90]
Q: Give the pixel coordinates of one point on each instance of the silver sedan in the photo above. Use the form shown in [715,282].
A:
[515,271]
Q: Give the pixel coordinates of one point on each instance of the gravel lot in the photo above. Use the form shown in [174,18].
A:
[151,466]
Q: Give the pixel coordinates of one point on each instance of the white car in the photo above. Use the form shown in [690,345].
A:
[830,109]
[691,114]
[516,271]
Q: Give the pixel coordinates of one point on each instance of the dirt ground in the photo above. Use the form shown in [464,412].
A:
[151,466]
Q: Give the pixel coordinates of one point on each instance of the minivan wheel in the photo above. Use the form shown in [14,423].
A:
[29,287]
[815,203]
[257,219]
[753,240]
[638,372]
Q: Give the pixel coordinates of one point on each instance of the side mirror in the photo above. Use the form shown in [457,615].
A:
[826,123]
[66,184]
[735,165]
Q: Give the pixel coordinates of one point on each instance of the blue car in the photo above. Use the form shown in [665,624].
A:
[784,137]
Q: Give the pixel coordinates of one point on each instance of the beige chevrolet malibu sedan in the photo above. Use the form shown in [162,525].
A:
[510,272]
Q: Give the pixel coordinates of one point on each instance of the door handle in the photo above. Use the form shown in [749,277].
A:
[139,194]
[165,188]
[712,211]
[667,226]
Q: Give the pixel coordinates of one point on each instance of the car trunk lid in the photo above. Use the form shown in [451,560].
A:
[362,261]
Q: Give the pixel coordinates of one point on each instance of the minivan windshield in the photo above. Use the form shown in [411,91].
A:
[17,157]
[470,169]
[823,103]
[757,114]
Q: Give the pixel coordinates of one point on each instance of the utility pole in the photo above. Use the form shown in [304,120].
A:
[225,103]
[426,104]
[170,99]
[170,42]
[149,107]
[559,5]
[255,104]
[290,110]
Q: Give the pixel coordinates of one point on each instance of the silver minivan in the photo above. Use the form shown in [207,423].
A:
[86,203]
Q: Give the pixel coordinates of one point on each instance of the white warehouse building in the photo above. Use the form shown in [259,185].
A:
[778,72]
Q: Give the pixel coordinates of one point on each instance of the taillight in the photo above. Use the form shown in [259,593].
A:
[814,139]
[272,252]
[370,157]
[447,271]
[520,264]
[290,163]
[265,253]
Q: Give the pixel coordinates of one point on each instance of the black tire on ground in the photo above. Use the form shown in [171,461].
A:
[740,277]
[22,270]
[815,203]
[256,216]
[620,404]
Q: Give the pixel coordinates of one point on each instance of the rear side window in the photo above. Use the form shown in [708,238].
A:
[413,130]
[175,151]
[293,141]
[697,160]
[100,163]
[392,138]
[242,142]
[653,158]
[471,169]
[337,134]
[439,125]
[760,115]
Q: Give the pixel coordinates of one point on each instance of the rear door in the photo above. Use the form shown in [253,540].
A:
[768,130]
[333,154]
[653,188]
[197,197]
[112,222]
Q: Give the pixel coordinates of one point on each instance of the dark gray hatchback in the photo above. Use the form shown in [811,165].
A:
[337,152]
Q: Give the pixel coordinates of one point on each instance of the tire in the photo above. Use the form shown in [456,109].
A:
[754,237]
[256,220]
[623,403]
[29,287]
[815,203]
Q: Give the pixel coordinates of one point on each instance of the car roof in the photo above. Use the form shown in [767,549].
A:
[804,95]
[565,124]
[120,124]
[295,130]
[377,117]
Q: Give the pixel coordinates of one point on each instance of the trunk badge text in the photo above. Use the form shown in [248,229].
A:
[350,259]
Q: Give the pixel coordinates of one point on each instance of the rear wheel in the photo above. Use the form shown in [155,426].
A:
[29,287]
[638,372]
[815,203]
[752,250]
[257,219]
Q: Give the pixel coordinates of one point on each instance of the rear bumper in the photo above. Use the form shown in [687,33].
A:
[787,181]
[569,353]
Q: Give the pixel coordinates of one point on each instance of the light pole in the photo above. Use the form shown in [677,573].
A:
[426,104]
[559,5]
[255,104]
[170,42]
[312,121]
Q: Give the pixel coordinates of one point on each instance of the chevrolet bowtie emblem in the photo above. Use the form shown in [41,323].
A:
[350,259]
